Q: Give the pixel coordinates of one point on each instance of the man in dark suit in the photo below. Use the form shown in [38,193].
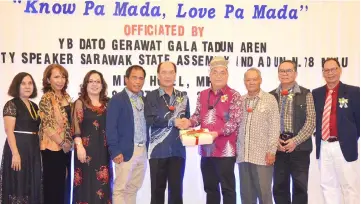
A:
[127,137]
[337,108]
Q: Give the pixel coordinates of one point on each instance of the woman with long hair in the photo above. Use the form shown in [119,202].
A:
[55,135]
[92,166]
[20,174]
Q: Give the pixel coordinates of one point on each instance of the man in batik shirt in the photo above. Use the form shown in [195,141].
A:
[165,106]
[218,110]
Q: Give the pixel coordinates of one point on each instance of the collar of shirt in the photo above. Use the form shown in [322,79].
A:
[221,91]
[162,92]
[295,89]
[335,89]
[259,95]
[56,97]
[132,95]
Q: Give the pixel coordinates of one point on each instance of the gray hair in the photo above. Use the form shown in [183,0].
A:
[252,69]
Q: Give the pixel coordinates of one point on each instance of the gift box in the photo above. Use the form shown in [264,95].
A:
[196,137]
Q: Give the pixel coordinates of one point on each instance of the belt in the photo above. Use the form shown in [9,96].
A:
[139,144]
[25,132]
[332,139]
[286,135]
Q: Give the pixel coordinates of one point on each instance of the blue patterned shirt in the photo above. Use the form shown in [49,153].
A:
[140,134]
[164,138]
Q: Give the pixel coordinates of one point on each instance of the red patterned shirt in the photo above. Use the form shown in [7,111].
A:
[220,112]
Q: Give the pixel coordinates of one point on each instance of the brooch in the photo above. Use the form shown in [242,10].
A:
[224,98]
[343,102]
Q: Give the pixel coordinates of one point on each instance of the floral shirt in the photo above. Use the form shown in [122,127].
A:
[219,112]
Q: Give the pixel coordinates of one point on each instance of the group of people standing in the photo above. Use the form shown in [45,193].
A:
[36,162]
[269,136]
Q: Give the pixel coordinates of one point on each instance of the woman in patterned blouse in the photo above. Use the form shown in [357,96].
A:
[55,139]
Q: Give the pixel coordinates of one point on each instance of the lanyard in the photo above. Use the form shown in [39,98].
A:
[171,106]
[254,104]
[210,107]
[134,103]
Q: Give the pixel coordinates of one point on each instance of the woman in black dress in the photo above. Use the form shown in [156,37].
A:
[92,167]
[20,176]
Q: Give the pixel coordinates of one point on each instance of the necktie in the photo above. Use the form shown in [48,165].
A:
[326,116]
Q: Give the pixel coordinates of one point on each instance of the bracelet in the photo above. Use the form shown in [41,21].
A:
[62,143]
[78,143]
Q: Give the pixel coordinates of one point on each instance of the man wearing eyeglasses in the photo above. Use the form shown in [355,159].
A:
[219,110]
[337,132]
[297,118]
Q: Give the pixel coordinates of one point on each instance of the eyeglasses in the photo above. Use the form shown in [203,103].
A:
[329,71]
[94,82]
[285,71]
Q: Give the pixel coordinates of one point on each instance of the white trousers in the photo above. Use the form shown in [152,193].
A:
[339,179]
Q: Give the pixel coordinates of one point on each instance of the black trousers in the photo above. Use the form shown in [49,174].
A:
[217,171]
[68,192]
[56,185]
[165,170]
[296,165]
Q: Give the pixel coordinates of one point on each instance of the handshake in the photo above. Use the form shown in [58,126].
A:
[182,123]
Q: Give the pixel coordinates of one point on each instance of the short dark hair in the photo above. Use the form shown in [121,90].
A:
[130,69]
[331,59]
[289,61]
[14,89]
[175,67]
[47,75]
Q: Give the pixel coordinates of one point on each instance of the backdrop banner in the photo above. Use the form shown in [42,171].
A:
[111,35]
